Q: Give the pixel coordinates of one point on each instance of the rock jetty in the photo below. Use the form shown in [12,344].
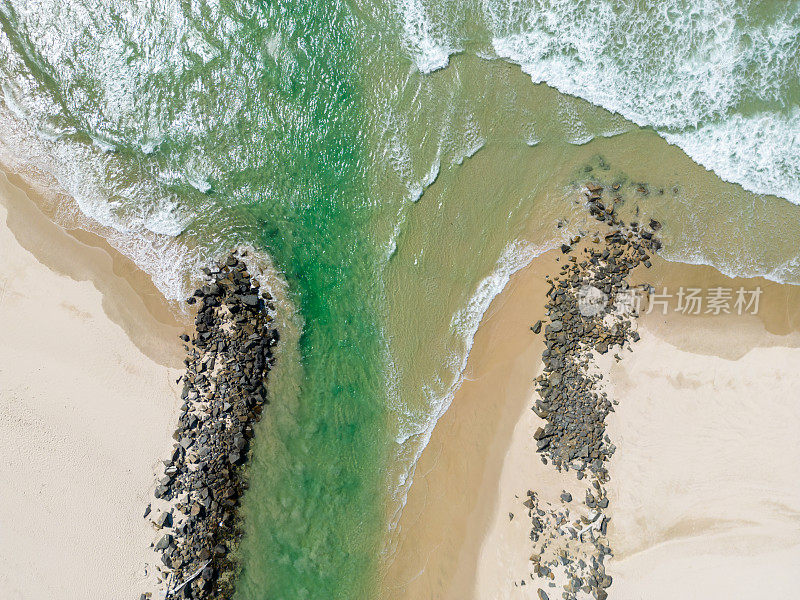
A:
[591,310]
[589,288]
[224,392]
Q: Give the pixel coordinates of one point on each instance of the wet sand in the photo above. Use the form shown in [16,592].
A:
[88,402]
[703,481]
[453,500]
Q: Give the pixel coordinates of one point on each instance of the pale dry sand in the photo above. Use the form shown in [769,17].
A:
[705,501]
[88,402]
[705,494]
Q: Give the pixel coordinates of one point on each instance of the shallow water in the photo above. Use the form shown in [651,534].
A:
[396,166]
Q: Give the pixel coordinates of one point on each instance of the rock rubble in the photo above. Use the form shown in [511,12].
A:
[591,309]
[224,392]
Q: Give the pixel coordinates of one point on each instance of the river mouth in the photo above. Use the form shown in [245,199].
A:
[394,184]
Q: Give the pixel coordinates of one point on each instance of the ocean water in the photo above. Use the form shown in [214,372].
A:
[392,164]
[718,78]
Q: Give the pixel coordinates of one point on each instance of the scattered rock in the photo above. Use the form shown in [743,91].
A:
[164,519]
[165,542]
[571,400]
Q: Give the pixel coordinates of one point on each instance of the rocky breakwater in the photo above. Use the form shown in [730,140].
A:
[591,310]
[224,392]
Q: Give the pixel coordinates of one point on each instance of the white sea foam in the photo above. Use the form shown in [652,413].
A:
[415,432]
[390,247]
[760,152]
[464,323]
[416,191]
[103,144]
[470,151]
[470,144]
[274,45]
[428,48]
[198,182]
[786,272]
[741,266]
[131,211]
[574,129]
[530,136]
[143,231]
[149,146]
[720,59]
[10,97]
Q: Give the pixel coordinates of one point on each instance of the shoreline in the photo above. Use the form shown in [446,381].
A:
[88,369]
[465,535]
[451,503]
[102,293]
[129,295]
[456,539]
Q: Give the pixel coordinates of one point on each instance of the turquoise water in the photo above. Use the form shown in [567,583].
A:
[395,164]
[326,456]
[247,121]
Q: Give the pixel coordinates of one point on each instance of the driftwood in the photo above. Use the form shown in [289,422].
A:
[192,577]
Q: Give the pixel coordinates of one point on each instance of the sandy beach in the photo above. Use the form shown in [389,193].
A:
[88,401]
[703,482]
[453,500]
[271,274]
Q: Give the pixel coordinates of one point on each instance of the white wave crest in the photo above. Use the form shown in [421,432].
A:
[416,191]
[692,70]
[472,142]
[428,49]
[414,435]
[761,152]
[741,266]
